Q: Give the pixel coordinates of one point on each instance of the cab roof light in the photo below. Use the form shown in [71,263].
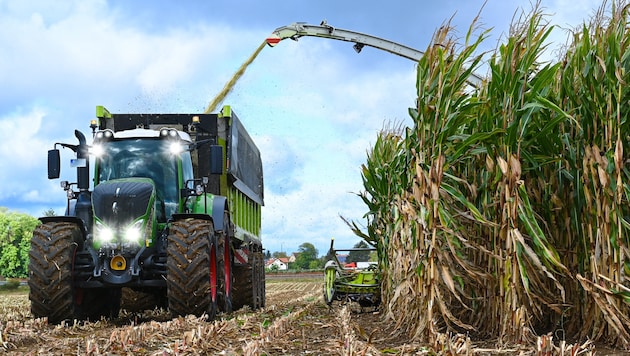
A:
[104,135]
[168,133]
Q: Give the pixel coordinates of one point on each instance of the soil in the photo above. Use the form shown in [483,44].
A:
[295,321]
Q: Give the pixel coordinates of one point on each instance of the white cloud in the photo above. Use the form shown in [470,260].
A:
[314,106]
[91,50]
[20,145]
[310,215]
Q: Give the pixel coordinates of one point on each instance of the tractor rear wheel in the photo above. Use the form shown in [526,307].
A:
[192,268]
[51,259]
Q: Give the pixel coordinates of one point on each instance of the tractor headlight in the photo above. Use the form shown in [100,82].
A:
[97,150]
[133,232]
[175,148]
[103,234]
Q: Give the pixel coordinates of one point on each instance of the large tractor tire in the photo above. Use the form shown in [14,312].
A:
[243,286]
[192,268]
[261,294]
[51,258]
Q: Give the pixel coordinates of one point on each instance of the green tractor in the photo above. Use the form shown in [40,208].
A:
[171,219]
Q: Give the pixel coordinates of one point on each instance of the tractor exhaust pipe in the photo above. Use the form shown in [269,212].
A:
[83,162]
[83,207]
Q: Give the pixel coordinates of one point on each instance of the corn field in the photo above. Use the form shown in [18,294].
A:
[503,211]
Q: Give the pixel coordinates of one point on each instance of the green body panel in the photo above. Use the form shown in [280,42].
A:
[101,112]
[201,204]
[357,281]
[245,214]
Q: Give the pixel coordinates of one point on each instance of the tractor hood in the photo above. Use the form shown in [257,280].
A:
[123,213]
[123,200]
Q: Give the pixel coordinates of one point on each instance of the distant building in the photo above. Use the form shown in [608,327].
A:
[282,263]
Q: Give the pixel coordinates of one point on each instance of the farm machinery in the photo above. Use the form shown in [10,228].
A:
[172,215]
[358,282]
[297,30]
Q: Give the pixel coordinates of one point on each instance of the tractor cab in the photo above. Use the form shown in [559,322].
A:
[150,154]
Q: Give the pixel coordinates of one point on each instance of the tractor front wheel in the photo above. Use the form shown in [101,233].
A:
[51,258]
[192,268]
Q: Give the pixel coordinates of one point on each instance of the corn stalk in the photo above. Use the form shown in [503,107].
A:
[502,211]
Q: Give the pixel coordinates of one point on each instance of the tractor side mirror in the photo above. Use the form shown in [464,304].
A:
[216,159]
[54,164]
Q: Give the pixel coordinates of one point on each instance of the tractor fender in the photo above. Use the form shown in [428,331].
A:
[65,219]
[219,205]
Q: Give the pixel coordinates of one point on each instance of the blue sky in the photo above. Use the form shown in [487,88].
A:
[313,106]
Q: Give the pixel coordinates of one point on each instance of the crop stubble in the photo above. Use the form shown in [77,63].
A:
[296,321]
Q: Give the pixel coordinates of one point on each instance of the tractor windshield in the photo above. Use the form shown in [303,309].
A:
[145,157]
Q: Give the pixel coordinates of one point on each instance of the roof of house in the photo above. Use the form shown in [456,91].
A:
[284,260]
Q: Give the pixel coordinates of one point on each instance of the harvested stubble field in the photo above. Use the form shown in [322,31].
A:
[296,321]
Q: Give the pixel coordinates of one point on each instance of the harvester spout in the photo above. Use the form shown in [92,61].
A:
[282,33]
[299,29]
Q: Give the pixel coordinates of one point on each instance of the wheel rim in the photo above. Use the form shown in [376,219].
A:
[213,273]
[227,267]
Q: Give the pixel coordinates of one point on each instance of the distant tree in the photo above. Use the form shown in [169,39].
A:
[315,264]
[16,231]
[281,254]
[322,260]
[267,255]
[306,253]
[358,256]
[49,212]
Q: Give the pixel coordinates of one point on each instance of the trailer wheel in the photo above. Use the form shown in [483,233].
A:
[259,281]
[51,258]
[192,268]
[225,261]
[243,288]
[249,280]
